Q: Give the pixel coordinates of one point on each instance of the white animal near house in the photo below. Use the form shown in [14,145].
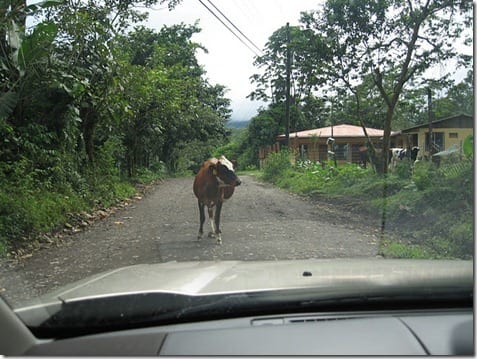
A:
[398,154]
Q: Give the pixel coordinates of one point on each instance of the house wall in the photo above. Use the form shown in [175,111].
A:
[458,138]
[405,140]
[316,149]
[447,132]
[448,136]
[451,131]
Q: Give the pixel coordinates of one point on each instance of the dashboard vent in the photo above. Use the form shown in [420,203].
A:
[314,319]
[294,320]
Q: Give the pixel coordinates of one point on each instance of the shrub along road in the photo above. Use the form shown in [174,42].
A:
[260,222]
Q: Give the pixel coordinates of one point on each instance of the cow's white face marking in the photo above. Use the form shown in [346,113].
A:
[226,163]
[224,173]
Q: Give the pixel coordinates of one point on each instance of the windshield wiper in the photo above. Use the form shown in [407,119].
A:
[127,311]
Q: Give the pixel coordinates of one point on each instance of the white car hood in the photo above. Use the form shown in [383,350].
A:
[218,277]
[321,280]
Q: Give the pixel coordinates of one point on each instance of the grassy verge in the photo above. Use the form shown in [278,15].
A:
[29,209]
[428,210]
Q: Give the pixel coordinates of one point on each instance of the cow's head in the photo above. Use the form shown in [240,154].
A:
[224,171]
[414,153]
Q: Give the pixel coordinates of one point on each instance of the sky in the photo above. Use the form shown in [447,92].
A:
[228,61]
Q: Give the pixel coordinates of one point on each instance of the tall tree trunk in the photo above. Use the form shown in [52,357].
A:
[387,138]
[371,152]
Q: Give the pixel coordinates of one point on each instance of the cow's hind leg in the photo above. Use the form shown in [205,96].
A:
[202,220]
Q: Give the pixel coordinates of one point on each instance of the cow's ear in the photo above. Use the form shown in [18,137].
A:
[213,169]
[234,163]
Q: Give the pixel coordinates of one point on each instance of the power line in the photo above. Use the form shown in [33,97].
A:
[231,23]
[228,28]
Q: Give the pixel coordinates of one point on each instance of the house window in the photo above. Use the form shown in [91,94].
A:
[437,141]
[411,140]
[453,135]
[304,152]
[322,152]
[341,151]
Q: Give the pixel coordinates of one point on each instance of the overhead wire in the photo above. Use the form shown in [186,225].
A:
[228,28]
[247,111]
[235,27]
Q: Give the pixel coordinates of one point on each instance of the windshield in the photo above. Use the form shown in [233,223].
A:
[173,136]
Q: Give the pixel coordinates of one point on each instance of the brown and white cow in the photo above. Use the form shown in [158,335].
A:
[214,183]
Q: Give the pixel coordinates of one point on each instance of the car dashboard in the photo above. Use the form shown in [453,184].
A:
[400,332]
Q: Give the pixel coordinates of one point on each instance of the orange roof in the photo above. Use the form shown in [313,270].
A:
[338,131]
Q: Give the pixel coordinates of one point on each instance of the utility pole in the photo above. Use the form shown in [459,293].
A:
[429,114]
[287,103]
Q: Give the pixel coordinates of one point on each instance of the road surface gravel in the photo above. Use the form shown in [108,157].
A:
[260,222]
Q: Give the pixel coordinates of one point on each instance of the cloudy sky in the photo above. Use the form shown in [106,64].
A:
[229,62]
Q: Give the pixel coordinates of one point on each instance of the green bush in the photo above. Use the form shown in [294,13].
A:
[15,222]
[403,169]
[247,159]
[275,165]
[34,201]
[157,172]
[462,234]
[230,150]
[299,182]
[25,213]
[394,249]
[424,174]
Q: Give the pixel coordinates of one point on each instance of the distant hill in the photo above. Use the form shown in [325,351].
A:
[237,124]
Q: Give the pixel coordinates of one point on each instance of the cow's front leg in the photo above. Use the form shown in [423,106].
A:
[202,220]
[211,219]
[217,222]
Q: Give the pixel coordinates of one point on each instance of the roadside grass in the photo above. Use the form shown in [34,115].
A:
[24,214]
[250,172]
[29,209]
[430,207]
[394,249]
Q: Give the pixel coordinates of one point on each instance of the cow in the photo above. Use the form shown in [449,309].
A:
[398,154]
[214,183]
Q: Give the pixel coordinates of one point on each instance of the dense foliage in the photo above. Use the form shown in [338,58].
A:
[88,104]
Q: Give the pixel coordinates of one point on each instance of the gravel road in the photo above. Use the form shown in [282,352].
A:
[260,222]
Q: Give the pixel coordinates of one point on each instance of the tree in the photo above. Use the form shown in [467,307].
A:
[270,85]
[87,30]
[458,98]
[262,130]
[176,108]
[67,90]
[391,41]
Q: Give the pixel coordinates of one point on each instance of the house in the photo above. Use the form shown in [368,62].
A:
[446,133]
[348,139]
